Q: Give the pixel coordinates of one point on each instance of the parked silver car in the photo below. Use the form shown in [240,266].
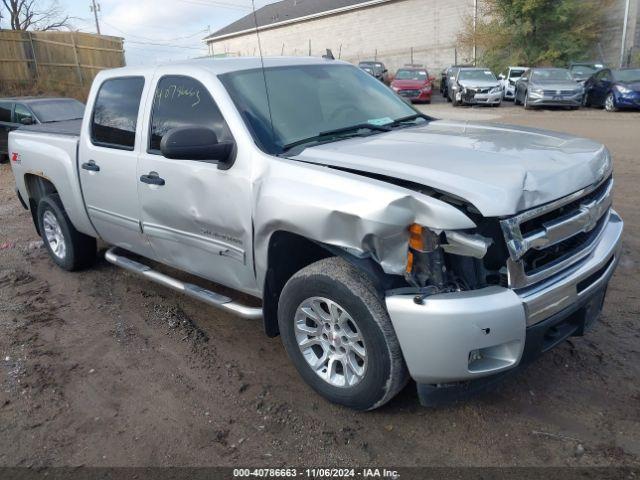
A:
[548,87]
[476,86]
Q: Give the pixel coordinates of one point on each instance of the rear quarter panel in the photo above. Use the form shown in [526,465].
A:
[52,157]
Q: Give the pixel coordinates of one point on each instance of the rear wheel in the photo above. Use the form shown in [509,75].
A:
[338,334]
[67,247]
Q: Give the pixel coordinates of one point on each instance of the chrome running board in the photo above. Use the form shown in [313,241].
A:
[114,256]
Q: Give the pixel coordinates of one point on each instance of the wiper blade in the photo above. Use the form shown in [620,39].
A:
[409,118]
[337,132]
[355,128]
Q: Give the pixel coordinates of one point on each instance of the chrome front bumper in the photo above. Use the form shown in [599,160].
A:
[461,336]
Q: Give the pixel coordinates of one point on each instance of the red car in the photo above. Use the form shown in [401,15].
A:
[413,84]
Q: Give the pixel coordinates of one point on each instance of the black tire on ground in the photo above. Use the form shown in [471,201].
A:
[526,102]
[516,102]
[448,98]
[4,157]
[80,251]
[337,280]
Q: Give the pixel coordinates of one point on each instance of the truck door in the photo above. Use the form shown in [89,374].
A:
[108,159]
[197,216]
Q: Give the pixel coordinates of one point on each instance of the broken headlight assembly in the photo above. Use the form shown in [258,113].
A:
[427,267]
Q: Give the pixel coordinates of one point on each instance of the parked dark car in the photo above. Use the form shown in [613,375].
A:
[613,89]
[548,87]
[18,111]
[414,84]
[582,71]
[377,69]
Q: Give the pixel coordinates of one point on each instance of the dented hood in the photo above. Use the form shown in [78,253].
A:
[499,169]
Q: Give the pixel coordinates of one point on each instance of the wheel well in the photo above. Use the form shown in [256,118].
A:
[37,188]
[289,253]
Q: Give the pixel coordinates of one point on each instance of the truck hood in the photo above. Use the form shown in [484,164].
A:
[500,169]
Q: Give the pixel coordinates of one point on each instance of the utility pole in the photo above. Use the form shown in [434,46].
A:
[95,8]
[475,24]
[623,47]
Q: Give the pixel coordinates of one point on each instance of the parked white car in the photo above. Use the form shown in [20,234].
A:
[508,82]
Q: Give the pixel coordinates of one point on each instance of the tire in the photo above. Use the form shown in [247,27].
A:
[586,101]
[526,102]
[4,157]
[334,281]
[68,248]
[610,103]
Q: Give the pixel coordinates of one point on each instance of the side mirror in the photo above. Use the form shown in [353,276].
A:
[26,121]
[501,76]
[196,143]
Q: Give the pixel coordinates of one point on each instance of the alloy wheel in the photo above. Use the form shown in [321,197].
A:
[331,342]
[53,234]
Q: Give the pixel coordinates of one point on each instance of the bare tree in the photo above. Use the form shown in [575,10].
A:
[32,15]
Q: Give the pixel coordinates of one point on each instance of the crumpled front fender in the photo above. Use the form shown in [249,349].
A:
[365,216]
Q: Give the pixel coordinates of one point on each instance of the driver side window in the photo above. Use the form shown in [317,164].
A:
[181,101]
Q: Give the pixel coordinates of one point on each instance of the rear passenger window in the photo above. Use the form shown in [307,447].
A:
[5,112]
[115,113]
[181,102]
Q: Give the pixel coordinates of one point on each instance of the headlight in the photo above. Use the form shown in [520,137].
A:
[536,92]
[496,90]
[395,89]
[623,90]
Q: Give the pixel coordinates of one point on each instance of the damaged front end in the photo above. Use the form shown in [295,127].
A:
[431,267]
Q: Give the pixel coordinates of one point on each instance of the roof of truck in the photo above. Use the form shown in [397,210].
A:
[219,66]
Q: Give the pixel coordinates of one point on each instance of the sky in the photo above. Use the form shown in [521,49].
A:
[158,30]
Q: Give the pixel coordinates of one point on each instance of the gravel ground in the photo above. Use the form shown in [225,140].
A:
[100,368]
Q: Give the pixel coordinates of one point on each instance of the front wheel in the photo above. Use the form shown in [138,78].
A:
[338,334]
[527,106]
[610,103]
[68,248]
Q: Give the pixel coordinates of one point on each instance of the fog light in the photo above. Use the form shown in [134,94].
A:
[474,356]
[497,357]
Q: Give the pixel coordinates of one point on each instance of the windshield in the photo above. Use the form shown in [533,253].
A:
[583,70]
[476,75]
[516,73]
[375,67]
[412,75]
[627,76]
[58,110]
[555,74]
[307,100]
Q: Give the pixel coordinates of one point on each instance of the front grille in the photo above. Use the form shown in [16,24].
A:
[554,93]
[545,240]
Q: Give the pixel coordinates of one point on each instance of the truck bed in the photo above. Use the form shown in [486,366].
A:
[67,127]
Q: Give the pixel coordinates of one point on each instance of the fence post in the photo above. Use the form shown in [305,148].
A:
[75,54]
[33,54]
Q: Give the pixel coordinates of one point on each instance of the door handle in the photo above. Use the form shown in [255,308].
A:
[152,178]
[91,166]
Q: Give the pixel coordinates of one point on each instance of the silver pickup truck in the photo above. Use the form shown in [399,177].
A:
[382,244]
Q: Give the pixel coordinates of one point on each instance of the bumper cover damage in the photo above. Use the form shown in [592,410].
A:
[457,343]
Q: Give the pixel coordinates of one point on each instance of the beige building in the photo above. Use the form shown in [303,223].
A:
[396,32]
